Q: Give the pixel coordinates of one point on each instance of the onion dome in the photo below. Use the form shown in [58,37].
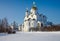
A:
[34,6]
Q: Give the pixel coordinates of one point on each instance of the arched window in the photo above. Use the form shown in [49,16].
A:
[41,24]
[33,19]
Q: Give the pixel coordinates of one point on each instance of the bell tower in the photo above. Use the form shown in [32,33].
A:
[26,22]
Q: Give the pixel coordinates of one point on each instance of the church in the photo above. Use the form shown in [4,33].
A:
[33,19]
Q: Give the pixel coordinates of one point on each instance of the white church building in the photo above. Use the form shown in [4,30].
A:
[33,18]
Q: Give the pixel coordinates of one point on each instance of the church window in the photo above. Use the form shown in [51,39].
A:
[42,24]
[29,19]
[31,15]
[31,12]
[33,19]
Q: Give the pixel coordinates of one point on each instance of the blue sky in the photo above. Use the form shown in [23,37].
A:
[14,10]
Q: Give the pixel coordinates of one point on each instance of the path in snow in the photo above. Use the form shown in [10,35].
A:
[29,36]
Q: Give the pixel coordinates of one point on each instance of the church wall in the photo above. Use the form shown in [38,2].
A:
[33,23]
[26,26]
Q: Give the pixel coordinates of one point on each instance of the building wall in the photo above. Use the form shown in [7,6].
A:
[26,26]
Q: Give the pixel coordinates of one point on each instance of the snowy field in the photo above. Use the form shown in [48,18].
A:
[31,36]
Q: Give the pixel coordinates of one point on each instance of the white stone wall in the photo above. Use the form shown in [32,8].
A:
[26,26]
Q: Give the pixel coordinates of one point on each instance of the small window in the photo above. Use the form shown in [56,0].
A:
[31,15]
[33,19]
[29,19]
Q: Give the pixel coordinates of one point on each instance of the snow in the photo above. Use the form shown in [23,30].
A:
[31,36]
[3,34]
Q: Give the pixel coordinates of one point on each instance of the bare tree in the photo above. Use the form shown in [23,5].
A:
[0,23]
[4,24]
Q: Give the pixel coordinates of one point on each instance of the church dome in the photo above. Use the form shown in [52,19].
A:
[34,6]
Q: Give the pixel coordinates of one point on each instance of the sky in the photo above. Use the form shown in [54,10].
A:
[14,10]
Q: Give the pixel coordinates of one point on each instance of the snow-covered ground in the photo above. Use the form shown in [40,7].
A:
[31,36]
[3,34]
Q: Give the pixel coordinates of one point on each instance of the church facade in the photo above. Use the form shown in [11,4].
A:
[32,19]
